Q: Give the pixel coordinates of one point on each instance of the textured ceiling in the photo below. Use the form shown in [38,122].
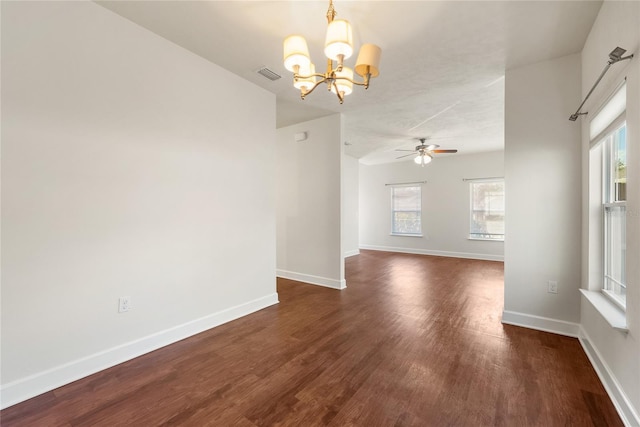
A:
[442,68]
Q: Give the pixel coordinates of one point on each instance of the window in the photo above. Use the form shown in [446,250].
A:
[406,211]
[487,210]
[614,185]
[608,200]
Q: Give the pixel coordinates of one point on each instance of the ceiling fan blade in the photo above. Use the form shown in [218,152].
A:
[406,155]
[444,151]
[398,149]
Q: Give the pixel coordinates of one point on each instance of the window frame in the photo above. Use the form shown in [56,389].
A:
[484,236]
[606,140]
[609,118]
[608,281]
[394,231]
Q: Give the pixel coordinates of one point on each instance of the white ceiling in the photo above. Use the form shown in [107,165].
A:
[442,69]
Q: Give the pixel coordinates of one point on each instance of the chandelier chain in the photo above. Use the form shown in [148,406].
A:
[331,12]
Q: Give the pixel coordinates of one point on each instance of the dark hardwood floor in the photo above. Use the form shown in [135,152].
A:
[413,341]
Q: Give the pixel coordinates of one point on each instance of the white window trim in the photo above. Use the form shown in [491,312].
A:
[615,299]
[471,182]
[610,309]
[611,296]
[615,317]
[392,186]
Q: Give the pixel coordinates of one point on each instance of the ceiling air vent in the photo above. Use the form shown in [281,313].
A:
[268,73]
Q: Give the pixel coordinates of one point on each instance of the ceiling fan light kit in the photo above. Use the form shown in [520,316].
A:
[338,47]
[422,159]
[424,153]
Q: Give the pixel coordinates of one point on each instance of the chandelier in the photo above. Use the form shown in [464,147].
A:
[338,47]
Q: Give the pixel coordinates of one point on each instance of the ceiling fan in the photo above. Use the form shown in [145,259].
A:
[424,153]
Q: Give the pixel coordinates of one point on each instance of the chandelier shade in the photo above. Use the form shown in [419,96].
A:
[344,80]
[296,53]
[306,83]
[368,60]
[338,47]
[339,40]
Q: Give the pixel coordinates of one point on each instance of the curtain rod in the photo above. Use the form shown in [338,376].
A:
[406,183]
[483,179]
[614,56]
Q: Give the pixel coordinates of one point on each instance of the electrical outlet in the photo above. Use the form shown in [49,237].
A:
[552,287]
[124,304]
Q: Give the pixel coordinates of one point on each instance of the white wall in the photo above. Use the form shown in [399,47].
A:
[616,353]
[125,172]
[350,206]
[543,206]
[308,181]
[445,205]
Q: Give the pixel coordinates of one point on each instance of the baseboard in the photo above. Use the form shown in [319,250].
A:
[34,385]
[314,280]
[544,324]
[354,252]
[629,416]
[484,257]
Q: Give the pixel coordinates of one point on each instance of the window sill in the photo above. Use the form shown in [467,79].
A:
[406,235]
[485,240]
[611,313]
[615,300]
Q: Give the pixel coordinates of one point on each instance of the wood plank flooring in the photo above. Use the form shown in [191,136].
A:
[413,341]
